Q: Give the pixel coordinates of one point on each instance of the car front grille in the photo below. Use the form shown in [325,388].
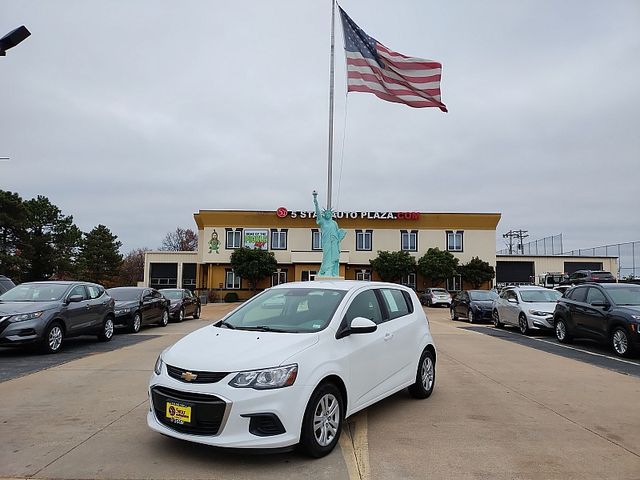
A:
[207,411]
[200,377]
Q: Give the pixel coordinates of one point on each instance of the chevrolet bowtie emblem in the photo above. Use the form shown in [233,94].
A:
[188,376]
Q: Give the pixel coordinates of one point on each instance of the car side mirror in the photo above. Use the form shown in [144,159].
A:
[358,325]
[75,299]
[600,303]
[512,300]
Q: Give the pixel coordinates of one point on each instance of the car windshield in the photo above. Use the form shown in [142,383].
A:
[172,294]
[35,292]
[124,294]
[291,310]
[483,295]
[628,295]
[542,295]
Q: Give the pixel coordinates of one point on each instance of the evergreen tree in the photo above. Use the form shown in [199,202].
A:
[51,241]
[253,264]
[477,272]
[99,259]
[392,266]
[438,265]
[13,217]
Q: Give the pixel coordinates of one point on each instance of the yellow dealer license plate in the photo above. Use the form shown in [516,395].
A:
[178,413]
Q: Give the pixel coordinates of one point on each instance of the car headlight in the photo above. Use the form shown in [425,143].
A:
[27,316]
[265,379]
[122,311]
[159,363]
[635,317]
[539,313]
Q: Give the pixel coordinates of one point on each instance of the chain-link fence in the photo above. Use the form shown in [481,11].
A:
[628,257]
[545,246]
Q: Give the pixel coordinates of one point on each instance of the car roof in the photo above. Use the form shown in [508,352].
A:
[613,285]
[129,288]
[58,282]
[346,285]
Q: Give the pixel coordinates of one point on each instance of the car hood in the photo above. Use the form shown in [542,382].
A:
[175,301]
[541,306]
[14,308]
[482,303]
[216,349]
[633,309]
[126,303]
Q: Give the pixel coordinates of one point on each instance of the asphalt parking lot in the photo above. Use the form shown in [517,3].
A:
[504,407]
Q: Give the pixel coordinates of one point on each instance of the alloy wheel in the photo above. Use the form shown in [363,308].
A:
[108,328]
[55,338]
[561,330]
[427,373]
[326,419]
[620,342]
[137,322]
[522,323]
[470,316]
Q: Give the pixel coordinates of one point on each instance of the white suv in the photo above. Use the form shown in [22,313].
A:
[291,364]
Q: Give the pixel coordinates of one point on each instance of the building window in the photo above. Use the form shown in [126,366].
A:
[409,240]
[232,281]
[363,275]
[316,239]
[454,284]
[364,240]
[409,280]
[233,238]
[279,239]
[279,277]
[309,275]
[454,240]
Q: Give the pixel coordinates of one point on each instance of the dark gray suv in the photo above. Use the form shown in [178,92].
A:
[45,313]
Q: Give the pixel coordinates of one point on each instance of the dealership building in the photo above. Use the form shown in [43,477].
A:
[295,239]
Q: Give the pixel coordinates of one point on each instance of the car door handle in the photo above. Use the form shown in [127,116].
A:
[388,336]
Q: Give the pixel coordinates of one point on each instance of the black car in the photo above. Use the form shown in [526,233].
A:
[587,276]
[183,303]
[137,306]
[474,305]
[606,312]
[5,284]
[45,313]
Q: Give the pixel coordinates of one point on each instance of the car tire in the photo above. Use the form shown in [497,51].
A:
[496,319]
[425,376]
[454,315]
[196,313]
[180,315]
[562,333]
[106,333]
[523,324]
[470,316]
[621,342]
[164,320]
[429,304]
[136,323]
[53,338]
[317,438]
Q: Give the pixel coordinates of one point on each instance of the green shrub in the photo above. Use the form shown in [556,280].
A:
[231,297]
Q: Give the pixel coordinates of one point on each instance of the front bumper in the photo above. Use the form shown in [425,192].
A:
[21,333]
[124,319]
[483,314]
[287,404]
[540,322]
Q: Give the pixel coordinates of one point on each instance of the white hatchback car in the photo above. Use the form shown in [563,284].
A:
[288,366]
[527,307]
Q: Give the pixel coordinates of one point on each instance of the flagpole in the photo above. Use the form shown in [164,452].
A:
[331,89]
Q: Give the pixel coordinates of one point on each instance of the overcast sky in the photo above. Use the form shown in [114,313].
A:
[136,114]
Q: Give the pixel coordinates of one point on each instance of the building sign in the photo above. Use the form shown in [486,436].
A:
[282,212]
[256,239]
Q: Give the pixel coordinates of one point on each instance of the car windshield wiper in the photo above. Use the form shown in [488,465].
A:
[264,328]
[226,324]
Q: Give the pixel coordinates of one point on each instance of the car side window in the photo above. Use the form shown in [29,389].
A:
[79,290]
[578,294]
[511,295]
[365,305]
[156,294]
[94,291]
[147,294]
[595,295]
[395,302]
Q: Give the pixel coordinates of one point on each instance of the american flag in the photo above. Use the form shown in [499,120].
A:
[391,76]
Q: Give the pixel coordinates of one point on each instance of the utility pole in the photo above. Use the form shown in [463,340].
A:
[516,234]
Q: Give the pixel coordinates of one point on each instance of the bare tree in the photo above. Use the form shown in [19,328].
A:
[182,240]
[132,267]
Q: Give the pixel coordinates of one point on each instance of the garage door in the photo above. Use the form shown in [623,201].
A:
[570,267]
[514,272]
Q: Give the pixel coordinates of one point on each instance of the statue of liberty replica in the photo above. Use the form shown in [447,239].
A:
[332,235]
